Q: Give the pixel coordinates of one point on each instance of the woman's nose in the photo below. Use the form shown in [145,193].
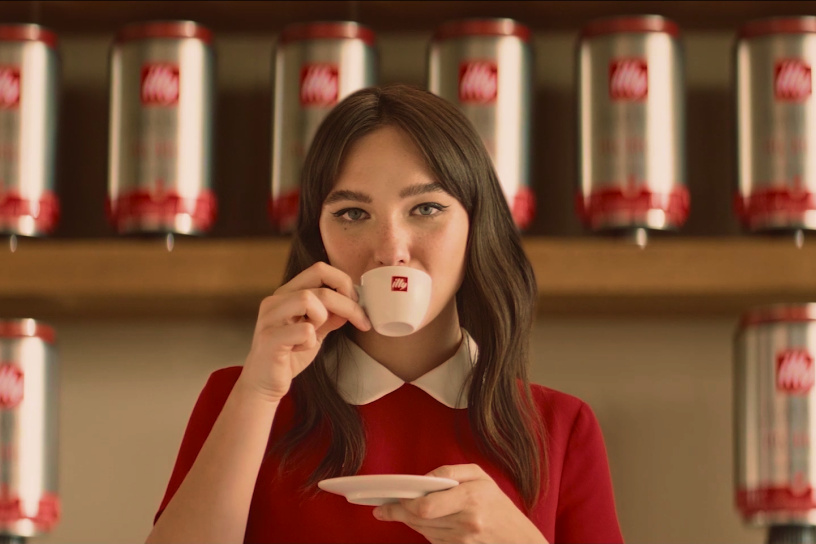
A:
[392,245]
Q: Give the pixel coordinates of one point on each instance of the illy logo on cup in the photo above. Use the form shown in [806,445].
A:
[160,84]
[399,283]
[628,79]
[794,371]
[478,82]
[792,80]
[11,386]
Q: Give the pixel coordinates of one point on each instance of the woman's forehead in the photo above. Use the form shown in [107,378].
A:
[383,145]
[384,156]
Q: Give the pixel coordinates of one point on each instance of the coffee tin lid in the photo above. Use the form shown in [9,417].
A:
[327,30]
[778,25]
[482,27]
[778,313]
[164,29]
[630,24]
[27,328]
[28,33]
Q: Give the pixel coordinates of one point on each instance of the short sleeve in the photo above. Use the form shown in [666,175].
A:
[210,402]
[586,502]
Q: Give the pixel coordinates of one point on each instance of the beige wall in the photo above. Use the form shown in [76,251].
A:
[661,391]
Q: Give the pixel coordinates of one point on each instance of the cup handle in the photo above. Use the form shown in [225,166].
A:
[359,290]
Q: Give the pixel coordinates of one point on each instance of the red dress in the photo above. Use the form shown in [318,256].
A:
[410,432]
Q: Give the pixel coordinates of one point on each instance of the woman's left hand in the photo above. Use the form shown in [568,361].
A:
[476,510]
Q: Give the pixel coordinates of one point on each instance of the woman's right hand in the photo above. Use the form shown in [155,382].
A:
[292,324]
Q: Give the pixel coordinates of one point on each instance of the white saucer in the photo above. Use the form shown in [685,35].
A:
[377,489]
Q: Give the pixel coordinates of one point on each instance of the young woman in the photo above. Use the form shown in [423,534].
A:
[395,176]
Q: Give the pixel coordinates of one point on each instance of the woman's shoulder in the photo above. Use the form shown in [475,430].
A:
[549,400]
[578,468]
[564,415]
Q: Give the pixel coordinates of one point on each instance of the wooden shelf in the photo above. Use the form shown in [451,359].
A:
[389,16]
[229,277]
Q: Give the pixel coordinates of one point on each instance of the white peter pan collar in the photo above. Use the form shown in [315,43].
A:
[362,380]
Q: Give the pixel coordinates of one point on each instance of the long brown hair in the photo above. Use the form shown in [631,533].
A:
[496,302]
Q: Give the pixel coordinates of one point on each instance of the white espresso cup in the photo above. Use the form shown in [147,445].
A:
[395,298]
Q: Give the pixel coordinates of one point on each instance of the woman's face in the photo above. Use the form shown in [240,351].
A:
[385,210]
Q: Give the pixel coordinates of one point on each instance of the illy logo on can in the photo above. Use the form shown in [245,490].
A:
[319,85]
[160,84]
[11,386]
[9,87]
[399,283]
[794,371]
[478,82]
[628,79]
[792,80]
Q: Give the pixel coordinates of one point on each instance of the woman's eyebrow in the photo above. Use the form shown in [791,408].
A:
[357,196]
[421,189]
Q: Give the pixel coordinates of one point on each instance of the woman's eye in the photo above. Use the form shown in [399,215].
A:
[355,215]
[350,214]
[430,209]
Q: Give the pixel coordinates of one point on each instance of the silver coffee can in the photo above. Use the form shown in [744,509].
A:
[161,129]
[484,66]
[317,65]
[775,472]
[631,125]
[29,429]
[29,86]
[776,124]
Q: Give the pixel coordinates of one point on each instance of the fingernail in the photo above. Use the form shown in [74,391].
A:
[377,513]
